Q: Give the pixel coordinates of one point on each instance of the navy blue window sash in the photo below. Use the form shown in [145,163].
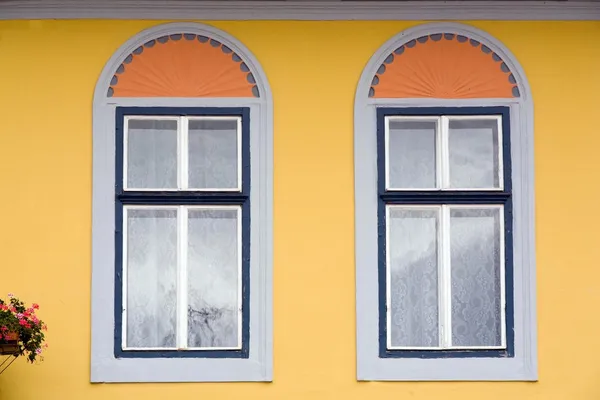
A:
[189,197]
[439,197]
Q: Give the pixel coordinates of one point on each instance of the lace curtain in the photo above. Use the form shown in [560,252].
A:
[213,278]
[413,248]
[412,160]
[473,154]
[151,278]
[152,154]
[475,277]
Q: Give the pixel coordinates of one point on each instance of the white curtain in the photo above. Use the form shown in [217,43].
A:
[151,278]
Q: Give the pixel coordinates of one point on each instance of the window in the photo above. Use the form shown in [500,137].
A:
[182,201]
[444,210]
[445,217]
[182,210]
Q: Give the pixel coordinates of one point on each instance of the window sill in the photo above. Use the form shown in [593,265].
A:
[446,369]
[179,370]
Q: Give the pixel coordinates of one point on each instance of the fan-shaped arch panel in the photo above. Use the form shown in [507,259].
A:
[446,66]
[183,65]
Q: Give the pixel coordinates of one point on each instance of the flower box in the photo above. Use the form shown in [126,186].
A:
[9,345]
[21,331]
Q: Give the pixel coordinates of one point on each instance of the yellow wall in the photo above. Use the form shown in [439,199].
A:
[48,70]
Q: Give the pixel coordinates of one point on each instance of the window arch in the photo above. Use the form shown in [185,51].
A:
[182,141]
[444,66]
[431,85]
[183,65]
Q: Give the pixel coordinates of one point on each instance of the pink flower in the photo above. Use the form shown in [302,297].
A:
[35,306]
[22,322]
[38,351]
[20,315]
[11,295]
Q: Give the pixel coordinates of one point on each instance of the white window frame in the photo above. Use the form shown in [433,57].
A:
[105,367]
[182,283]
[372,367]
[182,151]
[442,150]
[444,275]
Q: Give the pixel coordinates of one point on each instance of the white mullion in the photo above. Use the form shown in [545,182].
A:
[439,155]
[183,139]
[124,277]
[445,151]
[182,293]
[445,282]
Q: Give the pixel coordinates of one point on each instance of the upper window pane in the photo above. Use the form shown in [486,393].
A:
[411,154]
[182,153]
[151,154]
[474,159]
[213,153]
[443,153]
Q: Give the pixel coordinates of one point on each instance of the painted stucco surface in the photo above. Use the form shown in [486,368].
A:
[48,71]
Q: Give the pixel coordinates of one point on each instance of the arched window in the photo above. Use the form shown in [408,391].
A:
[444,210]
[182,150]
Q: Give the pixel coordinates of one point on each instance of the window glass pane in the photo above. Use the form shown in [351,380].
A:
[411,154]
[213,158]
[213,278]
[475,274]
[413,264]
[151,278]
[152,154]
[473,147]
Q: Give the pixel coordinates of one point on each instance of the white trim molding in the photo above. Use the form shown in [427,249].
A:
[314,10]
[105,367]
[370,367]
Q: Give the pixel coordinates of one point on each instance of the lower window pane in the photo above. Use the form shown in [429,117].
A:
[151,278]
[213,278]
[475,240]
[413,277]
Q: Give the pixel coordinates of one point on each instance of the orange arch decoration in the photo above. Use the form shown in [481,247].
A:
[446,66]
[183,65]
